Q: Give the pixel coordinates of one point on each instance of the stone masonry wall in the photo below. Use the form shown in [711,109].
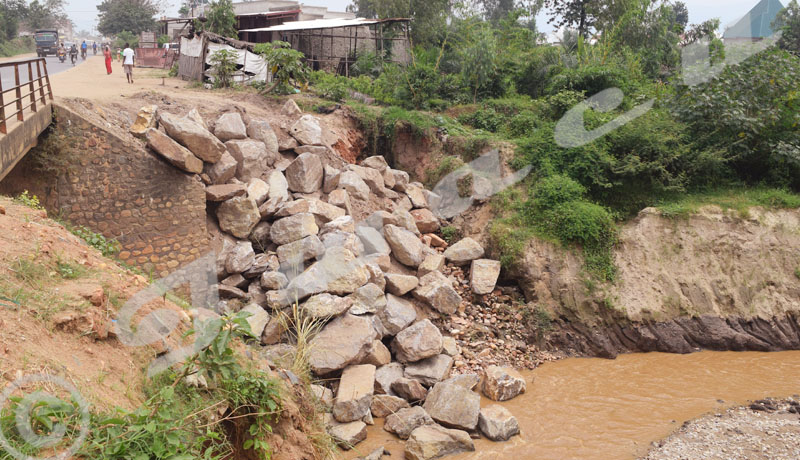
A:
[118,188]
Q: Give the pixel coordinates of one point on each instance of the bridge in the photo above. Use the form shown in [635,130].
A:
[26,108]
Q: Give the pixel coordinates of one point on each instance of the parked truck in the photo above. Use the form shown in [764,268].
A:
[46,42]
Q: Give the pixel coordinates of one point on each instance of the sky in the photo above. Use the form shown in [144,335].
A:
[84,12]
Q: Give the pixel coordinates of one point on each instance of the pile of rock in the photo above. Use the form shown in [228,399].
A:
[354,247]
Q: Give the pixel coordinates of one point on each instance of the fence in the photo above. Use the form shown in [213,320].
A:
[38,90]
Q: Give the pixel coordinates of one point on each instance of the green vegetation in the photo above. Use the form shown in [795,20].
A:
[221,18]
[21,45]
[224,64]
[134,17]
[288,68]
[31,201]
[484,77]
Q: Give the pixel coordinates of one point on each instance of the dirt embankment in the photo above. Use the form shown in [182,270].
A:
[716,281]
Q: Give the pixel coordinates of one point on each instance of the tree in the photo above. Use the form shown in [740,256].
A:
[681,15]
[45,14]
[287,66]
[571,13]
[135,16]
[429,17]
[11,11]
[221,18]
[788,22]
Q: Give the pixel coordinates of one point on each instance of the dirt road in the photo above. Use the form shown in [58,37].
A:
[91,81]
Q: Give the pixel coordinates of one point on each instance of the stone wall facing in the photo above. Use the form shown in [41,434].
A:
[116,187]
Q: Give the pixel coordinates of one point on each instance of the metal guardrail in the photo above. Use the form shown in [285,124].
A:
[21,102]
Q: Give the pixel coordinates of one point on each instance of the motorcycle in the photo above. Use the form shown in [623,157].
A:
[73,56]
[62,56]
[83,54]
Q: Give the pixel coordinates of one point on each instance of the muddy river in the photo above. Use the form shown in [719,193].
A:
[597,409]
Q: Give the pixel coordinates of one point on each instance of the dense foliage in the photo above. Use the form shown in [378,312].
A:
[492,75]
[221,18]
[134,16]
[36,14]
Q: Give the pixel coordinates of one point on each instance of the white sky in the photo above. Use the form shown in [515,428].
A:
[84,12]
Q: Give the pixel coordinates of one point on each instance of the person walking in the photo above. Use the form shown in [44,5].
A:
[127,62]
[107,56]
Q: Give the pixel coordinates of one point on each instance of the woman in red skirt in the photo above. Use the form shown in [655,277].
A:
[107,55]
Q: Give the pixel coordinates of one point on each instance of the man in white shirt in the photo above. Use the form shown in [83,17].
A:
[127,62]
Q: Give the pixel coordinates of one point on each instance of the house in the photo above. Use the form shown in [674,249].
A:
[755,25]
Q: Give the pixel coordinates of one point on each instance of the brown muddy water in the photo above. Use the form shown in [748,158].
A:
[598,409]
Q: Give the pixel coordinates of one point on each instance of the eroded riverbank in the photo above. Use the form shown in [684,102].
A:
[597,409]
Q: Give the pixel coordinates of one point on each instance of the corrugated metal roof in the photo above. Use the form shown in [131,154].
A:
[271,13]
[322,24]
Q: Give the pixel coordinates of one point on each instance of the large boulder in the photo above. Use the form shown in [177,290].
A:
[240,258]
[375,162]
[307,130]
[293,228]
[385,376]
[295,253]
[230,126]
[348,434]
[345,240]
[397,315]
[378,354]
[400,285]
[453,406]
[497,423]
[323,306]
[437,290]
[354,185]
[173,152]
[272,281]
[406,420]
[373,241]
[304,174]
[431,263]
[406,247]
[145,120]
[278,186]
[191,135]
[238,216]
[464,252]
[224,192]
[371,177]
[409,389]
[419,341]
[339,272]
[223,170]
[257,189]
[433,441]
[502,383]
[343,341]
[258,318]
[425,220]
[261,130]
[369,298]
[251,158]
[431,370]
[354,396]
[385,405]
[483,275]
[417,196]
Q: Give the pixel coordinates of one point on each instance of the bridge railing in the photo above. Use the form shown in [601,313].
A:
[32,94]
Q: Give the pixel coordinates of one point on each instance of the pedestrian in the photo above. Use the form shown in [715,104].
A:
[107,56]
[127,63]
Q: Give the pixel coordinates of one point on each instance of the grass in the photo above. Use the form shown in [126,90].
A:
[738,199]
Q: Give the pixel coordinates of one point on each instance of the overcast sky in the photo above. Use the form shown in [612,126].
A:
[84,12]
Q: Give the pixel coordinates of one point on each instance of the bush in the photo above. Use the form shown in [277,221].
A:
[224,64]
[591,80]
[554,191]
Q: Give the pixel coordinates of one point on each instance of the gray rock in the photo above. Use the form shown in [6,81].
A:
[453,406]
[191,135]
[293,228]
[230,126]
[385,376]
[340,224]
[450,346]
[295,253]
[502,383]
[236,280]
[401,180]
[223,170]
[251,158]
[272,281]
[291,109]
[263,263]
[376,275]
[304,174]
[339,272]
[345,240]
[240,258]
[497,423]
[354,396]
[425,220]
[400,285]
[417,342]
[468,381]
[405,421]
[406,247]
[260,236]
[330,178]
[230,292]
[437,290]
[261,130]
[238,216]
[173,152]
[433,441]
[371,177]
[324,396]
[375,162]
[282,355]
[258,318]
[273,332]
[354,185]
[341,199]
[397,315]
[369,298]
[464,251]
[417,196]
[307,130]
[431,263]
[343,341]
[406,220]
[431,370]
[378,354]
[323,306]
[373,241]
[349,434]
[483,275]
[385,405]
[195,116]
[278,186]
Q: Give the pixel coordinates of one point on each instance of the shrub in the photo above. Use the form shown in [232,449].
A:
[522,124]
[224,63]
[591,80]
[554,191]
[287,64]
[31,201]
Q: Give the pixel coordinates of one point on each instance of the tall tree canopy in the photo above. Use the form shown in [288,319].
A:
[134,16]
[221,18]
[429,17]
[44,14]
[788,22]
[571,13]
